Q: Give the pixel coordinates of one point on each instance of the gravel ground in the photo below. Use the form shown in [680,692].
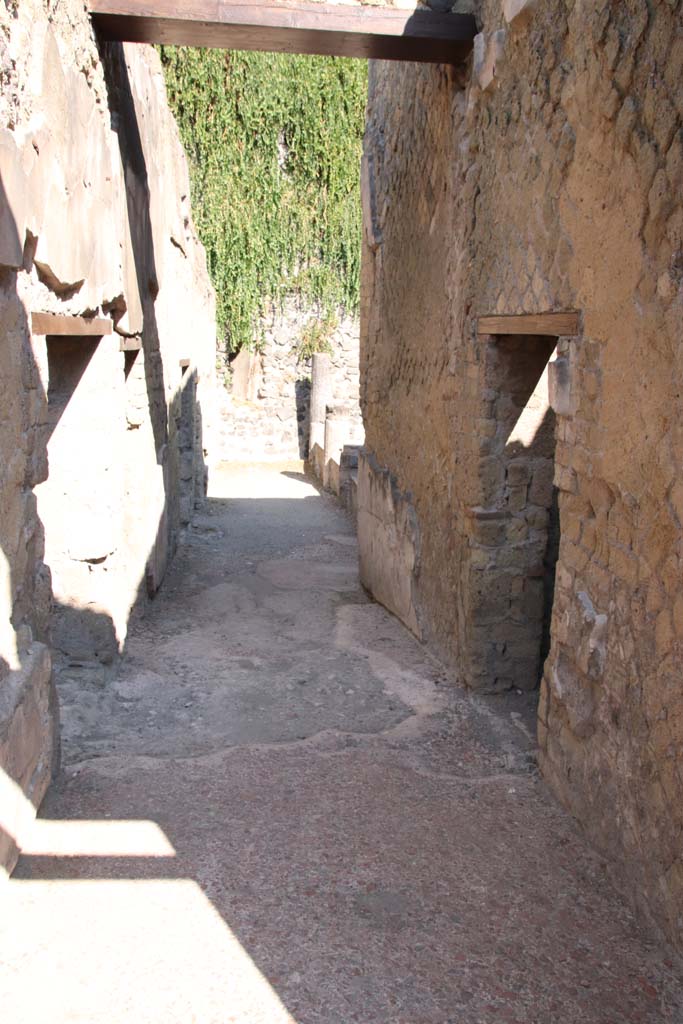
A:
[276,809]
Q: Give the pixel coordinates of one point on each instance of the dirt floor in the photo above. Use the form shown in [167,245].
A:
[276,809]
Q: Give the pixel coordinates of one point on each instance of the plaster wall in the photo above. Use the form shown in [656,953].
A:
[101,459]
[549,177]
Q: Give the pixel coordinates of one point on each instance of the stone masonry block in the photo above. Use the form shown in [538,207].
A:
[489,595]
[528,606]
[537,518]
[518,472]
[490,533]
[517,531]
[517,498]
[570,688]
[491,477]
[541,490]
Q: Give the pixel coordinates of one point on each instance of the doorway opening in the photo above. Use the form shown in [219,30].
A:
[513,592]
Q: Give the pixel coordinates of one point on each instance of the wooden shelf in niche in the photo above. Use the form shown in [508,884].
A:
[548,324]
[62,325]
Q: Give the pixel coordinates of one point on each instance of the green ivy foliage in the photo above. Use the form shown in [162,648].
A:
[274,146]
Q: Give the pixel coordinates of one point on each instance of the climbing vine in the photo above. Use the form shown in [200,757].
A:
[274,145]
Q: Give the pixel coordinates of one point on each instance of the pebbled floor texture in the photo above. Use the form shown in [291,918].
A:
[276,808]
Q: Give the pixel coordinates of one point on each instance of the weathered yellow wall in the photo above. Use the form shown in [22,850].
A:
[548,178]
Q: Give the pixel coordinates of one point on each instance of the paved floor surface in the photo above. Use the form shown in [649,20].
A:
[274,810]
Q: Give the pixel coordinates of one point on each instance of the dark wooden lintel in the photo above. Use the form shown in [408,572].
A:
[305,27]
[61,324]
[546,324]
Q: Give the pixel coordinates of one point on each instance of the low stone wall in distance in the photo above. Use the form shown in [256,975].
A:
[265,416]
[336,434]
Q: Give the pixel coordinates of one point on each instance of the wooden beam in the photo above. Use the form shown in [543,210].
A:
[288,27]
[547,324]
[62,325]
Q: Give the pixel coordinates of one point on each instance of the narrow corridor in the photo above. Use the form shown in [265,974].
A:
[274,809]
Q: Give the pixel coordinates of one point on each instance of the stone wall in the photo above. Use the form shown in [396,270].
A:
[265,414]
[547,178]
[102,451]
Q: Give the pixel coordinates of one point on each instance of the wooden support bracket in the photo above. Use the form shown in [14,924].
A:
[61,325]
[546,324]
[129,344]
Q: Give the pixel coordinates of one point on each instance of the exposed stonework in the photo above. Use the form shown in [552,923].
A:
[558,189]
[266,414]
[101,451]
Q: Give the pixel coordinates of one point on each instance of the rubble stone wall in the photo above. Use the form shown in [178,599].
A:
[265,414]
[102,451]
[547,178]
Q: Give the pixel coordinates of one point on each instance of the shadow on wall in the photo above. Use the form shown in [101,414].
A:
[82,629]
[125,124]
[178,476]
[184,486]
[67,361]
[139,222]
[112,570]
[103,534]
[29,740]
[518,368]
[543,511]
[303,414]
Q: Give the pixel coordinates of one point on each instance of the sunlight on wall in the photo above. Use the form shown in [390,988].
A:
[533,415]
